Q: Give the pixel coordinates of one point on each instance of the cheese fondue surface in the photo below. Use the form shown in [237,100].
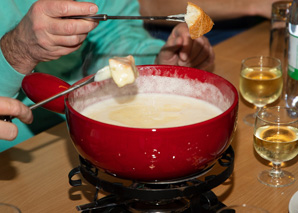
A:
[151,111]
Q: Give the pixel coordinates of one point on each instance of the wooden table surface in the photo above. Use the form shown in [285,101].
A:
[33,174]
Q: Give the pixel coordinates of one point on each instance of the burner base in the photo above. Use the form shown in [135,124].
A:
[189,195]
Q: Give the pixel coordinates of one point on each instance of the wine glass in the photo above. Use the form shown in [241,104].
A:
[242,209]
[8,208]
[276,140]
[260,82]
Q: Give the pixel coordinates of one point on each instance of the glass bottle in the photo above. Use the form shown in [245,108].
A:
[291,96]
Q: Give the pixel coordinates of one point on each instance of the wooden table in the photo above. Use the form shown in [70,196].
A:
[33,175]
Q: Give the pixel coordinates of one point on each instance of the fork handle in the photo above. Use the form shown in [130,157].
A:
[100,17]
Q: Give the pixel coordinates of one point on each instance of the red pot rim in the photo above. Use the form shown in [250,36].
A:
[165,129]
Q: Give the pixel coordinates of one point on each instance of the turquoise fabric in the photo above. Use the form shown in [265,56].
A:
[110,38]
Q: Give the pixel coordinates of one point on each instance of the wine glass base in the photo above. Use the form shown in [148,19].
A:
[250,119]
[286,179]
[8,208]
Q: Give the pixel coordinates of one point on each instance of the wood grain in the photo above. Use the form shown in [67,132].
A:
[33,175]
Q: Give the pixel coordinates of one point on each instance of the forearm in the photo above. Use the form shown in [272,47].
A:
[16,52]
[228,9]
[216,9]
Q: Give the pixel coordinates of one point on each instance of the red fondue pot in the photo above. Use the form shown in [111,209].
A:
[155,153]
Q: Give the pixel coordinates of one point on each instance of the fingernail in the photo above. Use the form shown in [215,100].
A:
[183,56]
[93,9]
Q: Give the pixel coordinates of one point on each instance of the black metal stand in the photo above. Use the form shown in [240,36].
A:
[191,195]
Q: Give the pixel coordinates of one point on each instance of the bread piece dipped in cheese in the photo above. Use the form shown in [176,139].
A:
[123,70]
[198,22]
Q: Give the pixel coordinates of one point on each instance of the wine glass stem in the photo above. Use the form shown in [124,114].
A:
[276,171]
[257,110]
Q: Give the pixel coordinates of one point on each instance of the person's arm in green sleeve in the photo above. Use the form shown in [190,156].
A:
[10,79]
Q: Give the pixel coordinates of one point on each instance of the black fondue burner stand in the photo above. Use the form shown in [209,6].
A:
[187,195]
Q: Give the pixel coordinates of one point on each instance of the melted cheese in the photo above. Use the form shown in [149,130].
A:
[151,111]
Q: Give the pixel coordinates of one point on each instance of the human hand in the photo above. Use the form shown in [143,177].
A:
[42,35]
[181,50]
[15,108]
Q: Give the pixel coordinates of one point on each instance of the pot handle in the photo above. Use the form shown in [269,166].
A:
[40,86]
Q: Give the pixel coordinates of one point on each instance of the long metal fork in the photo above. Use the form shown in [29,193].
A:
[105,17]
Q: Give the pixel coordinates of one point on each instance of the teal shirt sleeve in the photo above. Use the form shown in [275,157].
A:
[10,79]
[121,37]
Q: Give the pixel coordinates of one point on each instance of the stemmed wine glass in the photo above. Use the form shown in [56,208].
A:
[276,140]
[241,209]
[260,82]
[8,208]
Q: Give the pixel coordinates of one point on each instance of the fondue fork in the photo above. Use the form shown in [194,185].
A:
[105,17]
[101,75]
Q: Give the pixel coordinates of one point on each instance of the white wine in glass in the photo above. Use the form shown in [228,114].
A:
[276,140]
[261,82]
